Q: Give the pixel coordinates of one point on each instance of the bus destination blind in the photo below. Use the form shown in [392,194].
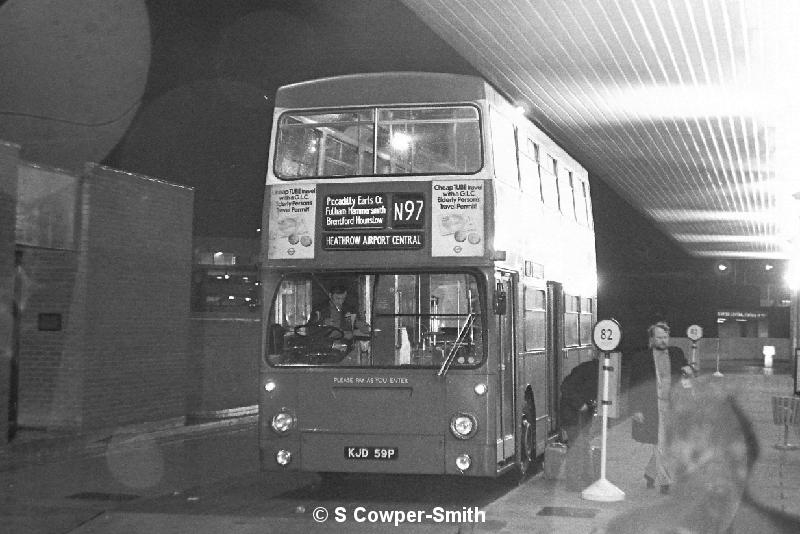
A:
[373,221]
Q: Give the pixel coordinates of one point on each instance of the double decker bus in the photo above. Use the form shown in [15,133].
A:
[428,269]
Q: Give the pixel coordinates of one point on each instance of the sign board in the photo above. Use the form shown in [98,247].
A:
[607,335]
[374,241]
[292,217]
[737,314]
[457,218]
[694,332]
[348,215]
[354,212]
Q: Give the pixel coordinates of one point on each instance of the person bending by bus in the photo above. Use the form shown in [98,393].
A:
[654,373]
[576,411]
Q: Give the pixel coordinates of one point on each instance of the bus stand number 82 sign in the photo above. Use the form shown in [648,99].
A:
[607,335]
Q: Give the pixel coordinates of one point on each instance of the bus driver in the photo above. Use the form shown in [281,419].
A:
[336,314]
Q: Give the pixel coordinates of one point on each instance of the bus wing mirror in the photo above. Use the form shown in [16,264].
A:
[499,302]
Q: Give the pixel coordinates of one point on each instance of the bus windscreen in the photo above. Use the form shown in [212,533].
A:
[376,320]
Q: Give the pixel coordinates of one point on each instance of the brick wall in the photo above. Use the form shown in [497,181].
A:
[123,297]
[53,281]
[9,157]
[139,256]
[51,372]
[225,362]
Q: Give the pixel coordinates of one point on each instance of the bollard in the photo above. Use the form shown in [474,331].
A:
[769,353]
[786,411]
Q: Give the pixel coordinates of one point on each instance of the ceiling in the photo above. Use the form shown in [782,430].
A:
[686,108]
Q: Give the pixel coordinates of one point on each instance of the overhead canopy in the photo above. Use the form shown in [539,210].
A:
[687,108]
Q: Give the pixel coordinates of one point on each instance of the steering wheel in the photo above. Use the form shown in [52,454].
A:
[332,332]
[314,343]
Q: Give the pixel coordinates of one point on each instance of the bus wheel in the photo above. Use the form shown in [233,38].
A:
[527,449]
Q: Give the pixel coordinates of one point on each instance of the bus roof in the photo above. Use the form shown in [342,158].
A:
[382,88]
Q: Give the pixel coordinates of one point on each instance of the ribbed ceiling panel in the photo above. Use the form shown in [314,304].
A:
[677,104]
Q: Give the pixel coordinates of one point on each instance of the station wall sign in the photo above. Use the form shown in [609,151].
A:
[737,314]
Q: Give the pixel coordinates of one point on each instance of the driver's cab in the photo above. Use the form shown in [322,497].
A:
[323,321]
[386,319]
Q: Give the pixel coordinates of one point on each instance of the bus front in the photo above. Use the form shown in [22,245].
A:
[377,275]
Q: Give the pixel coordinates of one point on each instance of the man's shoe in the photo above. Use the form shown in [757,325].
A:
[650,482]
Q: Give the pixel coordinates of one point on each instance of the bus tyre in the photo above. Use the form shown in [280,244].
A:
[527,447]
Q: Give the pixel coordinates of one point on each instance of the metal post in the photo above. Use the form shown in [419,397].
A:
[796,371]
[717,373]
[602,489]
[795,319]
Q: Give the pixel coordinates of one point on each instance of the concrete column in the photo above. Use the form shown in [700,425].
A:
[795,333]
[9,160]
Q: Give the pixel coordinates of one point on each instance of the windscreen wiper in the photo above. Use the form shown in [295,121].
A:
[462,334]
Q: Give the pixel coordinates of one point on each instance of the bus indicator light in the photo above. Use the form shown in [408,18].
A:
[480,389]
[270,386]
[463,462]
[283,457]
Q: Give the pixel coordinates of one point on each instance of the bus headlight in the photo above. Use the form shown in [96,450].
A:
[463,462]
[283,457]
[282,422]
[463,426]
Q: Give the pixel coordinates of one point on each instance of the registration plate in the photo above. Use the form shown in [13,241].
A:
[370,453]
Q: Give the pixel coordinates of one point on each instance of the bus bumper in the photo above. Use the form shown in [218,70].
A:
[379,453]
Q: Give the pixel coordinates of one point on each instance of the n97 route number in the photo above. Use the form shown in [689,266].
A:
[408,210]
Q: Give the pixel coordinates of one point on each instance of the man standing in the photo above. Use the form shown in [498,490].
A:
[654,373]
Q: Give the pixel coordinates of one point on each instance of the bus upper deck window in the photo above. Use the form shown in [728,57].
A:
[440,140]
[418,140]
[336,143]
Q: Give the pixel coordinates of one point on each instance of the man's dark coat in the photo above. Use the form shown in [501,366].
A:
[642,395]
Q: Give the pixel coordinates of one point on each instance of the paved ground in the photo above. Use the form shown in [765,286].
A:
[36,475]
[775,481]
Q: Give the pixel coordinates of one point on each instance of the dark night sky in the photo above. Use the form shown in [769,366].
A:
[205,121]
